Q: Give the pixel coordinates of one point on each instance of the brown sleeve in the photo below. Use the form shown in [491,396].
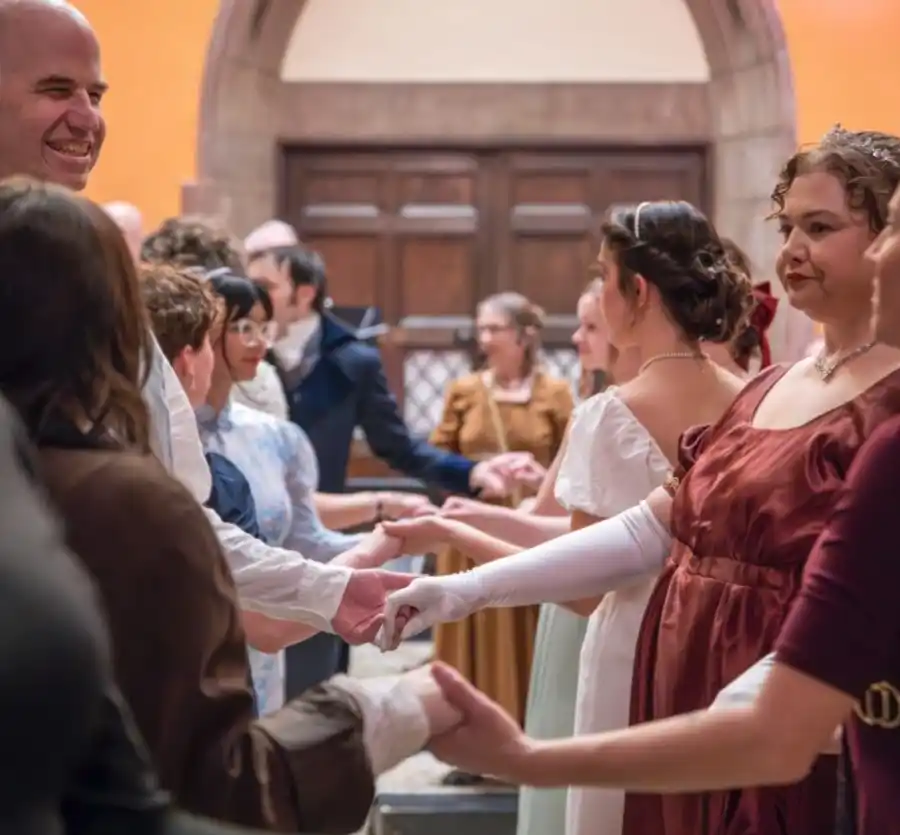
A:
[182,664]
[563,404]
[446,434]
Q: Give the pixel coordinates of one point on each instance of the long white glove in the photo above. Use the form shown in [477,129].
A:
[594,560]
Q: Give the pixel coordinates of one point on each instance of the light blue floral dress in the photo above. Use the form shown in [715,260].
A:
[280,465]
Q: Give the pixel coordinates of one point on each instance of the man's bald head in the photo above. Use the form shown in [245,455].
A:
[271,235]
[50,91]
[129,219]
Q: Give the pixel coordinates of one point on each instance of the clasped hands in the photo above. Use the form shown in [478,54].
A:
[498,476]
[366,601]
[471,732]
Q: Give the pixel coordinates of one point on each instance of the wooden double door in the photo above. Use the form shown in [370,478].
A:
[423,235]
[429,233]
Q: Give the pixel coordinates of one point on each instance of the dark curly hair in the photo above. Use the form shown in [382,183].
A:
[674,247]
[866,162]
[194,242]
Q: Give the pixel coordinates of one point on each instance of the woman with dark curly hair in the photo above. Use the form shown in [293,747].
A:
[733,526]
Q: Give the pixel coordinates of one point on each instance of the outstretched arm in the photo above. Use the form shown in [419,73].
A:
[524,529]
[593,560]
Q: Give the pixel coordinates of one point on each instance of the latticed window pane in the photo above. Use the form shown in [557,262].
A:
[426,375]
[563,362]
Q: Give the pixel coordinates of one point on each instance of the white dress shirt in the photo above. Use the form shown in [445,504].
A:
[273,581]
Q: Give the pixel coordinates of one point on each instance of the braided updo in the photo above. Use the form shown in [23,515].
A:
[673,246]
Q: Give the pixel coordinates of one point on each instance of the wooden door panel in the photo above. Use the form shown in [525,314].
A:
[356,272]
[552,270]
[541,188]
[634,178]
[326,188]
[436,275]
[434,189]
[548,227]
[438,234]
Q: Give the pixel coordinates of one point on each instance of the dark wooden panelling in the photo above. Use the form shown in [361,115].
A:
[428,233]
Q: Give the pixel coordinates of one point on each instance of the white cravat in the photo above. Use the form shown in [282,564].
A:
[289,349]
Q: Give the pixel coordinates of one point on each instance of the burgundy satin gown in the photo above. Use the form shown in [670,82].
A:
[744,521]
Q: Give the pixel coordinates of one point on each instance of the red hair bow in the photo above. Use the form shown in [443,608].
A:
[764,307]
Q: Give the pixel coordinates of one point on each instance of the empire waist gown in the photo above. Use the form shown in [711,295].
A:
[744,520]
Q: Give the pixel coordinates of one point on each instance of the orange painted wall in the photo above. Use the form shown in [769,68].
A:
[845,61]
[843,55]
[153,57]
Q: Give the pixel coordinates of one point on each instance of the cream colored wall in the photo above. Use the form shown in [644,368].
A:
[495,41]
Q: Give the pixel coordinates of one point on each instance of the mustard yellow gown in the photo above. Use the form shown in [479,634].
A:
[493,648]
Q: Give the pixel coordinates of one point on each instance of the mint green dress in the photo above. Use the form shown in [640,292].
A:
[551,710]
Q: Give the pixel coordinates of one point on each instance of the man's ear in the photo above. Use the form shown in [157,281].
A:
[184,365]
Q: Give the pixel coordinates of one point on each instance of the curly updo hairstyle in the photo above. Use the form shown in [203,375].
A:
[746,341]
[866,162]
[673,246]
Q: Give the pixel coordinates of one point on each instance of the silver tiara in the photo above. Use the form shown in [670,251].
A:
[838,137]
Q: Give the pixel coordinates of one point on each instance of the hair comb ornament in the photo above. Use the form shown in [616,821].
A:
[838,137]
[637,218]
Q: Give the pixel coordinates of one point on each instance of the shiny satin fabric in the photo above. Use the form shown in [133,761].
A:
[744,521]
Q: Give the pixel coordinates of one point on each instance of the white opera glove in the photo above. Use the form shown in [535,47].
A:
[593,560]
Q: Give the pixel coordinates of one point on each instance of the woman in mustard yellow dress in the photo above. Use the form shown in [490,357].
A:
[510,405]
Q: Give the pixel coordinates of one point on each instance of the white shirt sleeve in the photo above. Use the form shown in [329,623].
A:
[188,462]
[279,583]
[273,581]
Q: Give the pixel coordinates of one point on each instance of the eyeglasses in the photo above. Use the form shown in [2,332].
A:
[253,333]
[493,330]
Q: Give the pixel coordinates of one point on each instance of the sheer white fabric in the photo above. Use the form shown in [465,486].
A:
[611,463]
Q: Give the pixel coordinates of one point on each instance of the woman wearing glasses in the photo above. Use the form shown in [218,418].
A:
[274,455]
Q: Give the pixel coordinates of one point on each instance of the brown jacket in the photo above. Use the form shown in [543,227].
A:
[180,655]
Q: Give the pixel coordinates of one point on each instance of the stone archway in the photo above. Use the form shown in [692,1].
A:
[746,113]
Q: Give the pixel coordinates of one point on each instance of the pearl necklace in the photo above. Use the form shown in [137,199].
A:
[826,367]
[673,355]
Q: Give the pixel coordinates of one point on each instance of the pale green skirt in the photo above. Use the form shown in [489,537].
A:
[551,710]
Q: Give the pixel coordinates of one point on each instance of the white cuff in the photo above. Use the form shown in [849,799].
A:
[395,725]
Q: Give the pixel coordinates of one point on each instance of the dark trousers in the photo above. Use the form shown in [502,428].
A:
[311,662]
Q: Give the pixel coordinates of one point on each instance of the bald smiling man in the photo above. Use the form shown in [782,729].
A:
[52,128]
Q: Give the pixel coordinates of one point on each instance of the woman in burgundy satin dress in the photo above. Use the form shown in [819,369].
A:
[751,495]
[748,510]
